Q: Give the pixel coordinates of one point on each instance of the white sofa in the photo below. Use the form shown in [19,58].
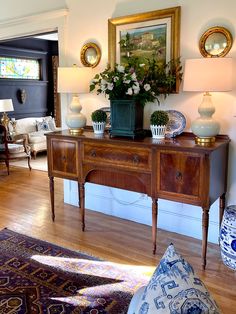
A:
[35,129]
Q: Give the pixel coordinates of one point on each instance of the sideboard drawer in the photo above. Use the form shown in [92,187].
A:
[118,156]
[64,158]
[179,173]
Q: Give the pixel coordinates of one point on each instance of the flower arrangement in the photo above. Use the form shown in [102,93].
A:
[142,82]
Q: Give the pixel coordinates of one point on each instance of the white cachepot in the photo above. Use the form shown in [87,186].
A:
[158,131]
[228,237]
[99,127]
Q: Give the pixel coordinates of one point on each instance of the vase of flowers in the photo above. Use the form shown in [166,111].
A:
[129,88]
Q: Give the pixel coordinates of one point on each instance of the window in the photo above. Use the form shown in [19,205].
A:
[17,68]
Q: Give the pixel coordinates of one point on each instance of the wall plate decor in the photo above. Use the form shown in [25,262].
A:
[176,124]
[90,55]
[215,42]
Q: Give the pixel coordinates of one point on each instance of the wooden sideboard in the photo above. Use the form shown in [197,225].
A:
[174,169]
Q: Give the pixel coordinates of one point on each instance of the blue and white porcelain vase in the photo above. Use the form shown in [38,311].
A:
[228,237]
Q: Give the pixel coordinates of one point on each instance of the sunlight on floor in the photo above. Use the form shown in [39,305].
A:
[94,267]
[115,278]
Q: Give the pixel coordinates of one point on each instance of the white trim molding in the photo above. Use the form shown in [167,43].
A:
[172,216]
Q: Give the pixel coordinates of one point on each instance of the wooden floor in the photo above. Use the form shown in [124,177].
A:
[25,207]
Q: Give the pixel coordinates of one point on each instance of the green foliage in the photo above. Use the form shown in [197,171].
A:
[159,117]
[99,116]
[142,82]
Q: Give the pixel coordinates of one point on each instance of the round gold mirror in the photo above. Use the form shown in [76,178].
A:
[215,42]
[90,55]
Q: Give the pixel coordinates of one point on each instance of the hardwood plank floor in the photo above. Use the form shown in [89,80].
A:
[25,207]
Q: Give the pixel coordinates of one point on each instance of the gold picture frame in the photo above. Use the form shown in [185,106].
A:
[144,20]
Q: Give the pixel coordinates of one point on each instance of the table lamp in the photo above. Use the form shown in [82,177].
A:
[207,75]
[6,105]
[74,80]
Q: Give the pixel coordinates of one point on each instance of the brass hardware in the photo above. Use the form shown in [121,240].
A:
[178,176]
[93,153]
[205,141]
[135,159]
[76,131]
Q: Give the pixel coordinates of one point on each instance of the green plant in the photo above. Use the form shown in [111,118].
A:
[99,116]
[159,117]
[142,82]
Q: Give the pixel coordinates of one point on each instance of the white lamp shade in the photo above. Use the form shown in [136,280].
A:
[208,75]
[6,105]
[73,79]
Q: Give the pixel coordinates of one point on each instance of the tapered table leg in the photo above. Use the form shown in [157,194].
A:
[82,202]
[205,225]
[154,224]
[51,183]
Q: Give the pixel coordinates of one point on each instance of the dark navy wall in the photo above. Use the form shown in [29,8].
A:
[39,100]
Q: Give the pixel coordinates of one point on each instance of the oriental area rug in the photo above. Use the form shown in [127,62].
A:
[40,277]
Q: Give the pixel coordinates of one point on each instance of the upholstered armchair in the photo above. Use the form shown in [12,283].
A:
[13,149]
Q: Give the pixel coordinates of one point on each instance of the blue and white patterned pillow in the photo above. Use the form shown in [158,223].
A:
[42,126]
[175,289]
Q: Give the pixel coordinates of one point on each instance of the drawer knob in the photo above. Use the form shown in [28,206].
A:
[63,158]
[93,153]
[178,176]
[135,159]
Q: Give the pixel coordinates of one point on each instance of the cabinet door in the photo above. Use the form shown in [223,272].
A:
[63,158]
[179,174]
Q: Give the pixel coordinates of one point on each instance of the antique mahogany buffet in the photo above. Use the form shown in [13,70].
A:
[174,169]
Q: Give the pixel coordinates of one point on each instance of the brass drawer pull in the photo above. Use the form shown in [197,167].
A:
[178,176]
[136,159]
[93,153]
[63,158]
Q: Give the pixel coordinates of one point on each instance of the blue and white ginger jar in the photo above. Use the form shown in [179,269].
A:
[228,237]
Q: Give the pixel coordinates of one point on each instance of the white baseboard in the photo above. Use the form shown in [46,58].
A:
[172,216]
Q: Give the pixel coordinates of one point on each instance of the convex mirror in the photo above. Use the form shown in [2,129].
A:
[90,55]
[215,42]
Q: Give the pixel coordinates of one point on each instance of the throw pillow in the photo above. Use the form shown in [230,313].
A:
[42,126]
[175,289]
[51,122]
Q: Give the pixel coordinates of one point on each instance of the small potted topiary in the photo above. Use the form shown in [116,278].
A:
[158,122]
[99,118]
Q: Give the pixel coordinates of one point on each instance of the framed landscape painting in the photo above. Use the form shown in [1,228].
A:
[150,35]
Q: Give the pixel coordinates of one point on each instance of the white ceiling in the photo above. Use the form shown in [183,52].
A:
[51,36]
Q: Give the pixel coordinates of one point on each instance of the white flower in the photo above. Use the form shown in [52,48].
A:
[142,65]
[136,90]
[129,91]
[147,87]
[116,78]
[110,86]
[133,76]
[103,87]
[136,85]
[126,81]
[120,68]
[94,81]
[103,82]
